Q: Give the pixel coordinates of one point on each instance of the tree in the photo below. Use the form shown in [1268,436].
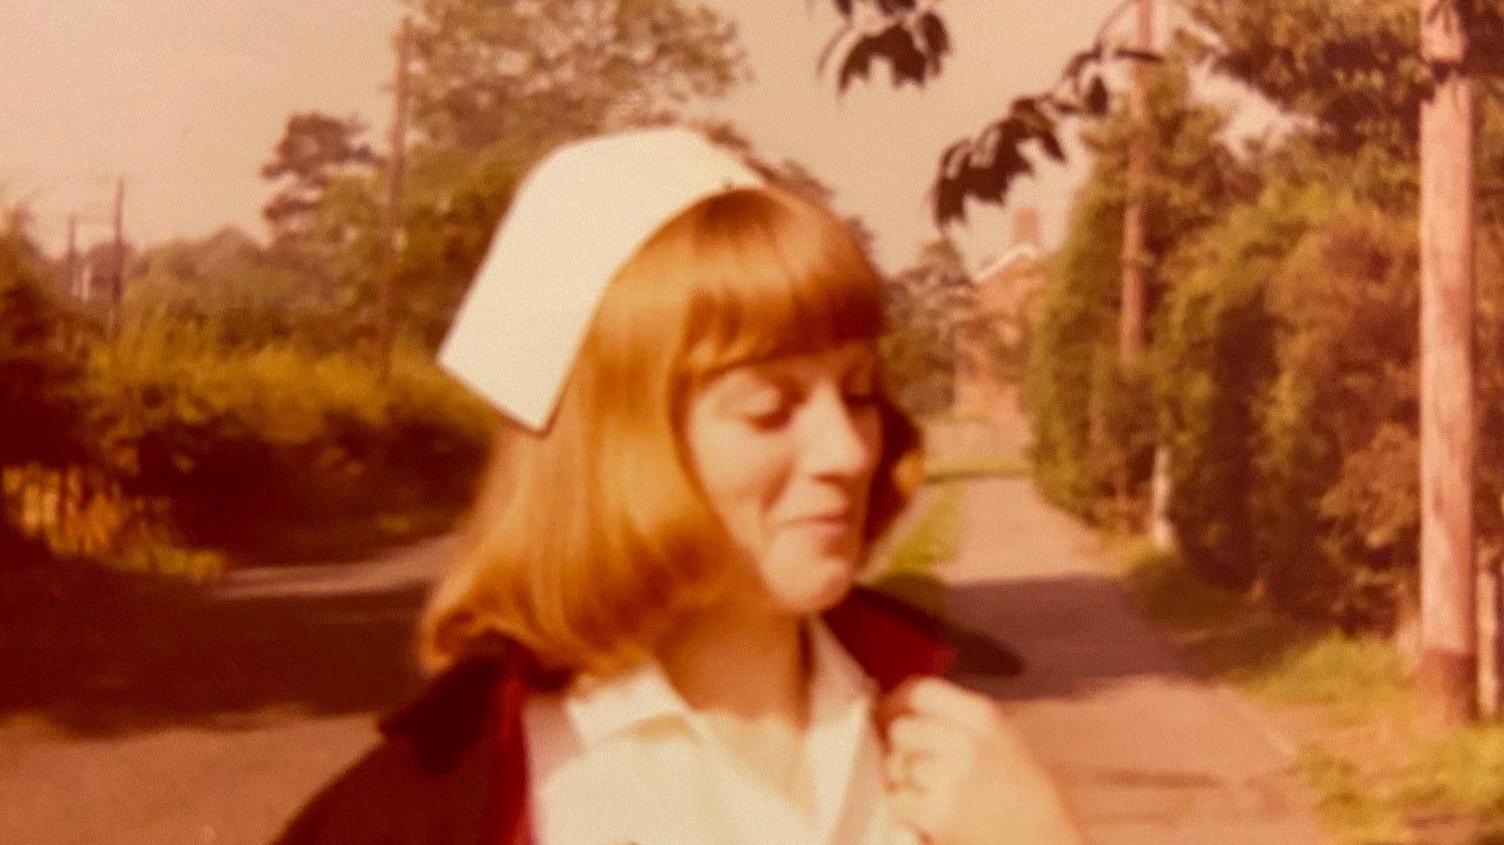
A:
[1078,390]
[494,86]
[560,68]
[1362,72]
[927,304]
[39,378]
[315,149]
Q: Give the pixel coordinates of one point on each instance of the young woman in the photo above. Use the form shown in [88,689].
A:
[653,633]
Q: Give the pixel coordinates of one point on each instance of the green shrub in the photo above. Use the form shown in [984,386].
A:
[1215,364]
[1093,424]
[244,439]
[1290,386]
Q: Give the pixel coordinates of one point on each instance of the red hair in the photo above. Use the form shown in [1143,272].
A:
[586,540]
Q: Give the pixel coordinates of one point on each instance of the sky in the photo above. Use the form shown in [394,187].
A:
[186,98]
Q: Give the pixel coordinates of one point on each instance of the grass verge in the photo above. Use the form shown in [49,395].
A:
[928,541]
[1000,466]
[1379,774]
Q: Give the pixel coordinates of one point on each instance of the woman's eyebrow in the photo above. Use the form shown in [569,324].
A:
[743,383]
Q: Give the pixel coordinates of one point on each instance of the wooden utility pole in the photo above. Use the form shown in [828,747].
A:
[71,276]
[392,221]
[1135,256]
[1132,315]
[117,264]
[1449,636]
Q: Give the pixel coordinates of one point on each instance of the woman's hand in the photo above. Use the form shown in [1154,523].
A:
[958,775]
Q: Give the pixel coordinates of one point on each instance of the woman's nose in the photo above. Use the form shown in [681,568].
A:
[840,438]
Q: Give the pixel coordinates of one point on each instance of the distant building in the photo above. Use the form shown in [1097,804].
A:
[993,348]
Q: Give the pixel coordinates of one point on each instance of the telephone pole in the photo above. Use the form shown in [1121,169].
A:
[117,264]
[392,221]
[71,277]
[1449,634]
[1135,256]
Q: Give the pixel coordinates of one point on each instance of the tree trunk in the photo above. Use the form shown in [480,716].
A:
[1448,661]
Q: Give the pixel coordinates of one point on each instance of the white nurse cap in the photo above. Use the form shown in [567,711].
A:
[578,216]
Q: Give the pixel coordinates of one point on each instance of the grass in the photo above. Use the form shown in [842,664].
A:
[1000,466]
[928,541]
[1379,774]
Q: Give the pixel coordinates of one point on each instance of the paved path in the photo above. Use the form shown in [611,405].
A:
[1148,751]
[220,711]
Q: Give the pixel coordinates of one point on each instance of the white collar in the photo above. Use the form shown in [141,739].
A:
[600,708]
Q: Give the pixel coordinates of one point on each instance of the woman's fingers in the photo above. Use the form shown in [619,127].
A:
[960,775]
[940,699]
[914,810]
[914,733]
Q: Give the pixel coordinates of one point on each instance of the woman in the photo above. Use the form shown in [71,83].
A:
[652,634]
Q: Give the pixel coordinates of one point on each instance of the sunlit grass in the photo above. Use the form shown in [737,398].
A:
[996,466]
[1378,774]
[929,541]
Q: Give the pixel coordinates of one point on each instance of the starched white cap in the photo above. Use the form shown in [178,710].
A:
[575,220]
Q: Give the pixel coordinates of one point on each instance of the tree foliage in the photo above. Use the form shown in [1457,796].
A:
[914,41]
[1090,423]
[926,304]
[558,68]
[315,149]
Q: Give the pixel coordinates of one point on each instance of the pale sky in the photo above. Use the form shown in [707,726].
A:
[185,99]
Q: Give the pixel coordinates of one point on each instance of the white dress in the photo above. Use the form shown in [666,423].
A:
[626,761]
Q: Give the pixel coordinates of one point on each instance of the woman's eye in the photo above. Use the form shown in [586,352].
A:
[768,411]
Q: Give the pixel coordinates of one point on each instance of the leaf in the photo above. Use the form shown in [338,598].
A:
[936,39]
[896,44]
[1009,164]
[1078,63]
[1138,55]
[858,62]
[949,201]
[1096,97]
[1051,145]
[954,158]
[1027,112]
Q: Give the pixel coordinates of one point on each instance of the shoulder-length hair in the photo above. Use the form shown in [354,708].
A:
[587,540]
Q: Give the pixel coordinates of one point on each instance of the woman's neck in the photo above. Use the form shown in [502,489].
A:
[741,660]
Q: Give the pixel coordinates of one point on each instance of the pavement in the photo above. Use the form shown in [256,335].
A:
[1147,749]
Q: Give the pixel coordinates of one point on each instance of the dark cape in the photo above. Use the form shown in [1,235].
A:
[452,766]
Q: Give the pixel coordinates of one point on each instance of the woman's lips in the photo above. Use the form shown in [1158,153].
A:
[832,525]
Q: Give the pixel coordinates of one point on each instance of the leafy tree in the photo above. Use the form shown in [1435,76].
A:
[1091,423]
[315,149]
[39,377]
[927,304]
[494,86]
[557,68]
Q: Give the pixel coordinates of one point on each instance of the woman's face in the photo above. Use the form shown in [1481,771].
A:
[785,449]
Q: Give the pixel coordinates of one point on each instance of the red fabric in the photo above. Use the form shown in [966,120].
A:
[891,641]
[508,816]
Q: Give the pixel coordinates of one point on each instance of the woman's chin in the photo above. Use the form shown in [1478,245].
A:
[818,589]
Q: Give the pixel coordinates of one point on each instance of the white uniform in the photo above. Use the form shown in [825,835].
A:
[627,761]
